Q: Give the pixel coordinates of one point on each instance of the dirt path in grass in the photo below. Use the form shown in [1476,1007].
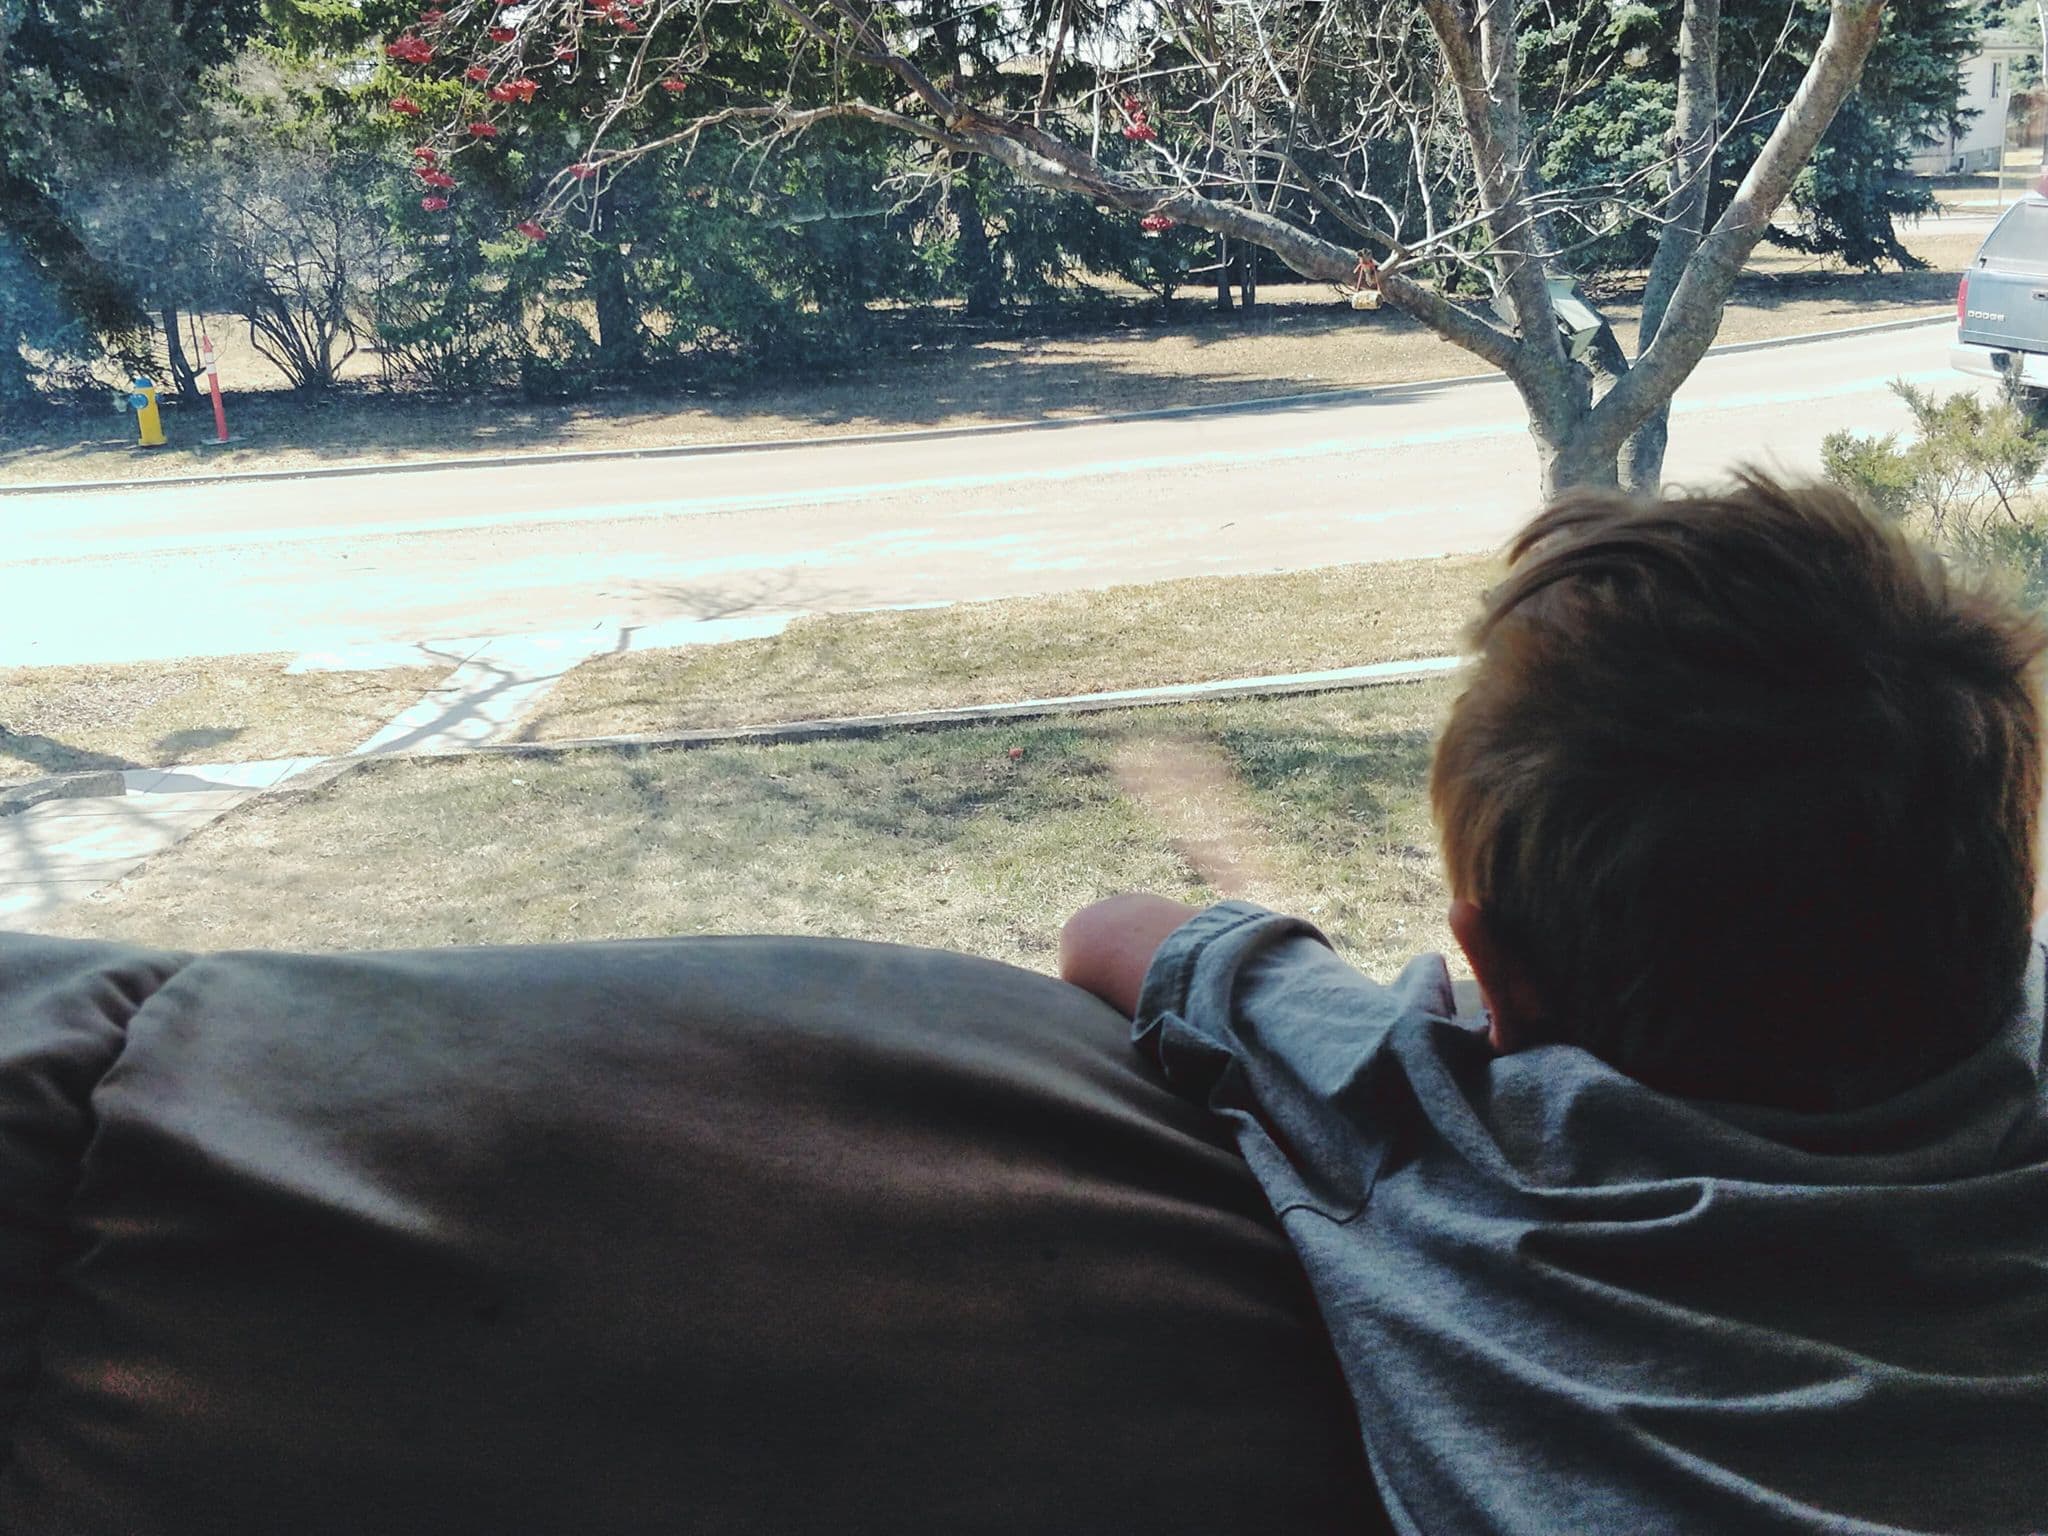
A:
[1188,787]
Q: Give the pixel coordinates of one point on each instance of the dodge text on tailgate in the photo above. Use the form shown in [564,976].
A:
[2002,305]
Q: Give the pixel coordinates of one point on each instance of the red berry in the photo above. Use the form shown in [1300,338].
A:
[531,230]
[477,73]
[500,34]
[483,130]
[433,204]
[405,106]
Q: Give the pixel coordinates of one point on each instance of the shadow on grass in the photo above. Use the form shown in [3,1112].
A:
[1333,776]
[177,745]
[924,785]
[27,755]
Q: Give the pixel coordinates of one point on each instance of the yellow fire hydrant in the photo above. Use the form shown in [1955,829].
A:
[150,421]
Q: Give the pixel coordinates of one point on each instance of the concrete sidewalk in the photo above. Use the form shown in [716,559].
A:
[54,853]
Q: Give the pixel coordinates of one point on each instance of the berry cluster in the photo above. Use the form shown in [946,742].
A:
[413,47]
[1155,223]
[1138,130]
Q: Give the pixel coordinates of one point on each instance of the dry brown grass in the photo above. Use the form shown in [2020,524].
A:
[154,714]
[1023,648]
[939,838]
[1303,337]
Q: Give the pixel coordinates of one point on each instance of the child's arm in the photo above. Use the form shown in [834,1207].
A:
[1108,947]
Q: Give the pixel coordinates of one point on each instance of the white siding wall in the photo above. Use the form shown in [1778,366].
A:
[1986,80]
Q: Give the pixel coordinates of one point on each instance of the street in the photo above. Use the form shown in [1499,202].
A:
[619,545]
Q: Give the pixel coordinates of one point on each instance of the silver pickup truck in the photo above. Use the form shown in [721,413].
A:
[2002,303]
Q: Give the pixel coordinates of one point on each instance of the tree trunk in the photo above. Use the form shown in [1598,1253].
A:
[618,338]
[182,374]
[1560,419]
[1692,314]
[1248,278]
[1695,129]
[1572,464]
[1224,303]
[977,255]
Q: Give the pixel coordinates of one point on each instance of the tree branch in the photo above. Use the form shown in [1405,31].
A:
[1693,316]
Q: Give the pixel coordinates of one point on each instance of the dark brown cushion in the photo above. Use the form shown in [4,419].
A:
[63,1009]
[718,1235]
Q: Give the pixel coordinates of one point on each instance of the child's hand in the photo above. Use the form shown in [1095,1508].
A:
[1107,948]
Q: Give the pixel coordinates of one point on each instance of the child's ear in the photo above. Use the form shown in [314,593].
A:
[1510,1002]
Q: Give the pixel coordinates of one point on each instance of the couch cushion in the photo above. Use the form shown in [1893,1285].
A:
[733,1235]
[63,1007]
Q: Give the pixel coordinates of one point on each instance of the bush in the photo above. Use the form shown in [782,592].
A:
[1969,461]
[1874,470]
[561,362]
[2016,551]
[1962,480]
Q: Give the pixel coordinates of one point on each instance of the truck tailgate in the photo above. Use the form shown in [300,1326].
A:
[2006,310]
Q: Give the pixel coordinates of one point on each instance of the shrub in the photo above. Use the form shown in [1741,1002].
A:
[561,362]
[1969,460]
[1875,470]
[2016,551]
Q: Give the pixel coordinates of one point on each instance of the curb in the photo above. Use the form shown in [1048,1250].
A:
[16,798]
[752,445]
[857,727]
[20,797]
[857,439]
[1878,328]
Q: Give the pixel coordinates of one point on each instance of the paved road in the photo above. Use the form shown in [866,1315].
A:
[617,546]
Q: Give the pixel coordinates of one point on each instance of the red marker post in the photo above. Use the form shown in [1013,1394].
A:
[220,415]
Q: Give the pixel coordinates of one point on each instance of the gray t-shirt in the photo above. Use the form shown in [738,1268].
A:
[1567,1303]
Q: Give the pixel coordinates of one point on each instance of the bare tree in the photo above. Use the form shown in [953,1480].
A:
[1385,148]
[301,253]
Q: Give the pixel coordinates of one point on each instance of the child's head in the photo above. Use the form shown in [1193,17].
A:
[1744,790]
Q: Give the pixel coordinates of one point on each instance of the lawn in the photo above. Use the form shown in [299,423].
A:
[204,710]
[1302,337]
[1022,648]
[978,838]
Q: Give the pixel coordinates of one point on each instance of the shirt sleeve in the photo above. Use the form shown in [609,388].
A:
[1253,1014]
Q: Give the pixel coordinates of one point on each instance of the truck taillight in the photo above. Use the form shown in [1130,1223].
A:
[1962,298]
